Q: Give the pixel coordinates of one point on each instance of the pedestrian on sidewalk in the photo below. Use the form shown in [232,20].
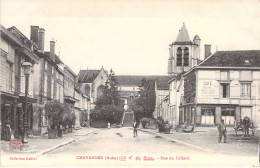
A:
[222,131]
[108,125]
[135,128]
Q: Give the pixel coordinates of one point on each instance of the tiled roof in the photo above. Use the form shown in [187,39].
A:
[87,76]
[129,80]
[57,59]
[242,58]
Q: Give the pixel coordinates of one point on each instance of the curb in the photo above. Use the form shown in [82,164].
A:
[178,141]
[56,147]
[60,145]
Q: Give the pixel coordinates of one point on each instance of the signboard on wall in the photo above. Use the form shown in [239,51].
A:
[206,88]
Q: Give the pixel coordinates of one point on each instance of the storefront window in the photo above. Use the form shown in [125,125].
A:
[208,115]
[228,115]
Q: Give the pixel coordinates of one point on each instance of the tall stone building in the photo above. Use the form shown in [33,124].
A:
[15,49]
[48,83]
[183,53]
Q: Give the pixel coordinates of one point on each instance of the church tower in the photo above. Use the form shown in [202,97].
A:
[183,53]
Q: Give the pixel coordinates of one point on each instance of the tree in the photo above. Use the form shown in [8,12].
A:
[108,105]
[54,111]
[137,109]
[147,97]
[110,113]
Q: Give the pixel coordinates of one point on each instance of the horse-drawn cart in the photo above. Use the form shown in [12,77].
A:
[245,125]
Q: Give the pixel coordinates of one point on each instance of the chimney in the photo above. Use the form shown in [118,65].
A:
[207,50]
[41,40]
[35,34]
[52,50]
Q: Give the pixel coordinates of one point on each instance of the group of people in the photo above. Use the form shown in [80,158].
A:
[221,129]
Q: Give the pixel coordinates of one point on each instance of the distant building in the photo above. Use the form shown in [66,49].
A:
[226,85]
[128,87]
[91,83]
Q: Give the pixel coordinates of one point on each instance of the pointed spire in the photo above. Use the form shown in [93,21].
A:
[183,35]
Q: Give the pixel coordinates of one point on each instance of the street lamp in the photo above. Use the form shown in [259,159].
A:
[27,70]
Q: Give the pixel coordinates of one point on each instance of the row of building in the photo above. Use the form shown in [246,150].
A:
[49,79]
[224,85]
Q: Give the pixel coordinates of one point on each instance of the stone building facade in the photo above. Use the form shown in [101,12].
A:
[91,83]
[49,81]
[226,86]
[15,48]
[183,53]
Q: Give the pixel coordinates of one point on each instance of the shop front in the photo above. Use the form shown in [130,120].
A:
[211,114]
[9,116]
[13,118]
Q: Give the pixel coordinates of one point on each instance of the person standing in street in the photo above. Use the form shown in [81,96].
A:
[135,128]
[222,131]
[108,125]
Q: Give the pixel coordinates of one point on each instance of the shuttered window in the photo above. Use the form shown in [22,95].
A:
[245,90]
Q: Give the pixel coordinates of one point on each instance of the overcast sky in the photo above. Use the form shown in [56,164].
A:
[132,36]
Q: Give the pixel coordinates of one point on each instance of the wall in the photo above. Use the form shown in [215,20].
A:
[100,80]
[190,87]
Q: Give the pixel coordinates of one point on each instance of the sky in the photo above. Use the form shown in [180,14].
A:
[132,36]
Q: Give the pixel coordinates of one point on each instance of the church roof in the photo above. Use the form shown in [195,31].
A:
[239,58]
[183,36]
[87,76]
[134,80]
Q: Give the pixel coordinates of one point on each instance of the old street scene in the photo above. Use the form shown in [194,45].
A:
[127,91]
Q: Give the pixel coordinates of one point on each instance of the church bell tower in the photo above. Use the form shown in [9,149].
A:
[183,53]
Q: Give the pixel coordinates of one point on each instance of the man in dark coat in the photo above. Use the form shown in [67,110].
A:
[246,124]
[135,125]
[222,131]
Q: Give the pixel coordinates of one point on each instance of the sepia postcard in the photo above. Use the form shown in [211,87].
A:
[112,83]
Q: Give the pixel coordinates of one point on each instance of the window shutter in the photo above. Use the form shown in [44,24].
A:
[231,75]
[253,90]
[13,79]
[216,89]
[234,89]
[221,91]
[217,75]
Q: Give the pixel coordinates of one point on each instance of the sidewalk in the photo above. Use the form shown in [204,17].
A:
[206,138]
[41,144]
